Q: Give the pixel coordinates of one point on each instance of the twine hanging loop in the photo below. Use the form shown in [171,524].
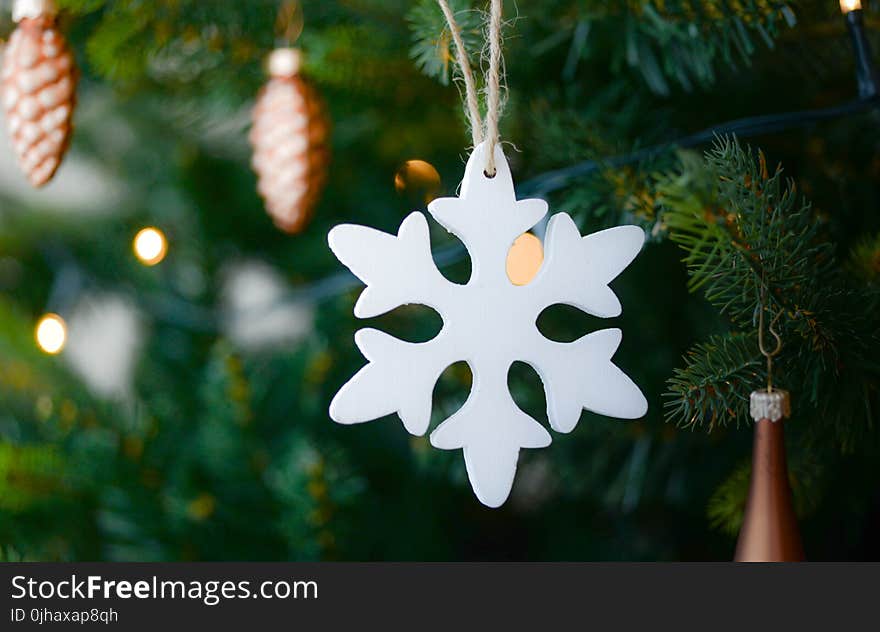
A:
[493,81]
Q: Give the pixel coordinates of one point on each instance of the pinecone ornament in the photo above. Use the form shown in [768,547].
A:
[38,85]
[290,139]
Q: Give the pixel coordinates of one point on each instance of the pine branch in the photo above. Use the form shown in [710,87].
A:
[744,231]
[337,59]
[682,41]
[728,503]
[865,260]
[713,388]
[433,49]
[29,474]
[749,240]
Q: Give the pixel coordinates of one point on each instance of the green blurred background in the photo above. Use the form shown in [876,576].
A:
[187,417]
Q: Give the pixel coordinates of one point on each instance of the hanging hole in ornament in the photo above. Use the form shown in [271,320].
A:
[490,175]
[564,323]
[527,390]
[450,392]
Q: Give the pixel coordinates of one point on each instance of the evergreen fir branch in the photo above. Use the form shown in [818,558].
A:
[728,503]
[865,260]
[746,234]
[81,7]
[336,58]
[118,47]
[748,241]
[9,553]
[713,388]
[226,453]
[29,474]
[433,49]
[681,40]
[613,194]
[131,40]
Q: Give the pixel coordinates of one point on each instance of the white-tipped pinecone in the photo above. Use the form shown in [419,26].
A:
[38,84]
[290,139]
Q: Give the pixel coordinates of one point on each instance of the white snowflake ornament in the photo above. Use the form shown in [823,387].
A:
[489,323]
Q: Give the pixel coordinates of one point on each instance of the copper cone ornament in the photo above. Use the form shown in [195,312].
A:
[290,139]
[769,532]
[38,84]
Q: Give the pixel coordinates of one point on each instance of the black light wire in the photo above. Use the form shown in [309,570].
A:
[555,180]
[199,318]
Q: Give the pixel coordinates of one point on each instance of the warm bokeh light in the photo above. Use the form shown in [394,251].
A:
[850,5]
[150,246]
[524,259]
[418,179]
[51,333]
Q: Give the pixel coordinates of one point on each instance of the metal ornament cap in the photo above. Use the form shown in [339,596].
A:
[284,62]
[33,9]
[771,405]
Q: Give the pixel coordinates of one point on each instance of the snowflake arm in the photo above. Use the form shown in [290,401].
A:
[577,270]
[580,375]
[491,429]
[397,270]
[399,378]
[487,217]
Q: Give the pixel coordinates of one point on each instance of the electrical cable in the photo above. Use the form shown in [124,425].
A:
[342,282]
[200,318]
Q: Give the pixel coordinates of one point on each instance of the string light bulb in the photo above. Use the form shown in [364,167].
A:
[150,246]
[419,180]
[51,334]
[867,75]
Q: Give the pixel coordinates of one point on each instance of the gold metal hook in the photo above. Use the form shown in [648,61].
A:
[772,328]
[290,22]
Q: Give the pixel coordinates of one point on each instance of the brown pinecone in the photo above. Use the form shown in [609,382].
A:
[290,139]
[38,84]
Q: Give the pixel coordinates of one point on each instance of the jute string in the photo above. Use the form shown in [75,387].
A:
[493,81]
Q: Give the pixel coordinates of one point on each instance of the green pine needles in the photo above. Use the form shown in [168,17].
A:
[670,43]
[433,49]
[713,388]
[218,448]
[739,223]
[749,239]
